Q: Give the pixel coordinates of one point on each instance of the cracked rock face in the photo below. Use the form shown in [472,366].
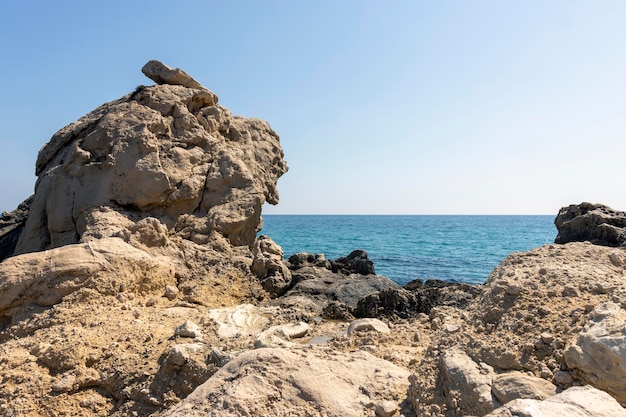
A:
[167,152]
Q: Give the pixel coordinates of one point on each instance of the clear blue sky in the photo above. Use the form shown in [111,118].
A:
[415,107]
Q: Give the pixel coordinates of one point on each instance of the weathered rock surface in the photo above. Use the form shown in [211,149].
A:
[595,223]
[575,402]
[281,382]
[320,286]
[468,384]
[269,266]
[534,307]
[105,265]
[513,385]
[143,219]
[162,74]
[134,284]
[168,152]
[11,226]
[598,356]
[418,299]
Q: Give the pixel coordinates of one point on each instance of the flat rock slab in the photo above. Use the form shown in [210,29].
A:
[575,402]
[513,385]
[243,319]
[276,381]
[368,324]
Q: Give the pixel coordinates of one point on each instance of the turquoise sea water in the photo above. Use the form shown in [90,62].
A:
[452,248]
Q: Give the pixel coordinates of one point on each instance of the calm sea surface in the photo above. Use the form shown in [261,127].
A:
[452,248]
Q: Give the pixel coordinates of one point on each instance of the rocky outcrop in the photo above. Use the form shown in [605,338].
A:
[535,314]
[134,284]
[575,402]
[269,267]
[168,152]
[144,218]
[595,223]
[598,356]
[297,382]
[414,299]
[11,226]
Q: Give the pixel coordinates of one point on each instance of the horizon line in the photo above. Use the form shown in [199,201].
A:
[405,214]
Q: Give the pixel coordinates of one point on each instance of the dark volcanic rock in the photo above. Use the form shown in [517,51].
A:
[321,286]
[302,259]
[415,298]
[11,226]
[355,263]
[595,223]
[317,281]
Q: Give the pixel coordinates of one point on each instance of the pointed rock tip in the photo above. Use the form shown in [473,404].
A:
[163,74]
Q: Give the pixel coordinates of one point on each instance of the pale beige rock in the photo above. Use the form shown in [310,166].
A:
[165,152]
[386,408]
[468,384]
[533,327]
[188,329]
[239,320]
[268,265]
[574,402]
[513,385]
[157,193]
[280,336]
[599,354]
[368,324]
[281,382]
[45,278]
[162,74]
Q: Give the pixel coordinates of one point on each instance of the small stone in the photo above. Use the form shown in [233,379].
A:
[171,292]
[293,330]
[416,337]
[386,408]
[616,258]
[65,384]
[162,74]
[368,324]
[188,329]
[545,372]
[452,327]
[219,357]
[547,338]
[179,355]
[569,291]
[563,377]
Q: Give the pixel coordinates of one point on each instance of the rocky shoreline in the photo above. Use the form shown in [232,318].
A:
[132,283]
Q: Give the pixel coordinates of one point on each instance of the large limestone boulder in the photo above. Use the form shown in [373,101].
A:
[575,402]
[596,223]
[105,265]
[275,381]
[142,222]
[167,151]
[599,353]
[468,384]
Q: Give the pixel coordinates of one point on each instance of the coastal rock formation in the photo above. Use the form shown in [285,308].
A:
[575,402]
[596,223]
[297,382]
[598,356]
[11,226]
[535,314]
[168,152]
[316,282]
[133,283]
[144,217]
